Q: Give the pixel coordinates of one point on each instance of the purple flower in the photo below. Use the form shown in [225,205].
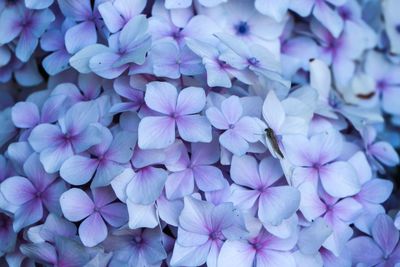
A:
[29,25]
[117,13]
[243,20]
[322,11]
[258,184]
[338,214]
[316,160]
[382,249]
[65,252]
[260,249]
[197,169]
[31,193]
[141,247]
[133,95]
[239,130]
[373,192]
[379,152]
[146,185]
[386,80]
[163,25]
[89,88]
[53,41]
[74,134]
[202,230]
[256,58]
[26,115]
[105,164]
[128,46]
[76,205]
[342,51]
[181,110]
[179,61]
[86,17]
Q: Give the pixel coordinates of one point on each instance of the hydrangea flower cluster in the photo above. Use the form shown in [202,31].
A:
[220,133]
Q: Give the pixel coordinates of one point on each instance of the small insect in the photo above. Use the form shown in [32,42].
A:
[273,141]
[366,96]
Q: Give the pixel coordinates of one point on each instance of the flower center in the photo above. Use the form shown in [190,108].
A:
[381,85]
[242,28]
[216,235]
[231,126]
[253,61]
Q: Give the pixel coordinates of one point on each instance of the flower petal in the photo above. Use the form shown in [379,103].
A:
[76,205]
[17,190]
[191,100]
[194,128]
[156,132]
[278,203]
[147,185]
[241,253]
[161,97]
[339,179]
[78,170]
[25,115]
[385,233]
[93,230]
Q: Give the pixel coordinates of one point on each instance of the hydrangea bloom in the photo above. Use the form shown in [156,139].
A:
[199,133]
